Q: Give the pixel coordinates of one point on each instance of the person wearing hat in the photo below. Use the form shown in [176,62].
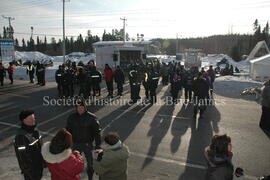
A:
[111,163]
[85,129]
[27,144]
[62,163]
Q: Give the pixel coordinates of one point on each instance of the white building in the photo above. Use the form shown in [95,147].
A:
[260,68]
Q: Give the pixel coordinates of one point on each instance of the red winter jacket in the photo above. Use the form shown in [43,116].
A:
[108,75]
[66,165]
[10,69]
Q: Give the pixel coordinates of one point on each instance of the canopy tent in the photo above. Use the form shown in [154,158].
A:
[260,68]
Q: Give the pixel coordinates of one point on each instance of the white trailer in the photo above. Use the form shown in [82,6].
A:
[116,53]
[191,58]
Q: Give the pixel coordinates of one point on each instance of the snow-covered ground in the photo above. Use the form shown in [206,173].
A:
[213,59]
[20,72]
[231,86]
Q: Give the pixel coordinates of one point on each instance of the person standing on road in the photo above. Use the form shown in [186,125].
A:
[265,118]
[119,78]
[62,163]
[27,146]
[200,88]
[153,84]
[2,74]
[218,157]
[85,129]
[10,72]
[59,80]
[212,75]
[109,79]
[96,80]
[30,70]
[112,162]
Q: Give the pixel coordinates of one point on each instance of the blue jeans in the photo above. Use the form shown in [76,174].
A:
[86,148]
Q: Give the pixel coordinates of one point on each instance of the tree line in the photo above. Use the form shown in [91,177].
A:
[235,45]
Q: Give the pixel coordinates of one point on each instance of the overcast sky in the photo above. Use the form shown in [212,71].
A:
[153,18]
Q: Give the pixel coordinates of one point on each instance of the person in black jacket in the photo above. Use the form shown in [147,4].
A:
[218,157]
[27,146]
[85,129]
[96,80]
[153,84]
[82,78]
[59,80]
[200,88]
[188,83]
[2,74]
[119,78]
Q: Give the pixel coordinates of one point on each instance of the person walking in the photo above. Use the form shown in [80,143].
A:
[112,162]
[10,72]
[218,156]
[59,80]
[85,129]
[109,79]
[119,78]
[62,162]
[265,117]
[27,145]
[212,74]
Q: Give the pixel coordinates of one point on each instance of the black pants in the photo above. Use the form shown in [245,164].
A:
[11,78]
[165,80]
[60,89]
[96,88]
[86,148]
[200,104]
[31,77]
[110,87]
[135,92]
[265,118]
[146,89]
[42,78]
[2,81]
[153,95]
[120,88]
[188,94]
[36,176]
[68,90]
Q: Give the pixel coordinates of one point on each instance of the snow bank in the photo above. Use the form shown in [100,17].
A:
[213,59]
[231,86]
[20,72]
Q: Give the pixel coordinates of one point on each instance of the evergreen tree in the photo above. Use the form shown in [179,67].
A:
[4,32]
[23,45]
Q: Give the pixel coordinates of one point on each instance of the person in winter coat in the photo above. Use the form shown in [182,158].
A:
[119,78]
[96,80]
[109,79]
[30,70]
[27,146]
[59,80]
[176,84]
[2,74]
[85,129]
[10,72]
[218,157]
[265,118]
[211,72]
[111,164]
[153,84]
[62,163]
[82,79]
[42,74]
[200,89]
[188,83]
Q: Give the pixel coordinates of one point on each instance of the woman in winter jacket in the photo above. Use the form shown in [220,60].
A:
[111,164]
[62,163]
[218,156]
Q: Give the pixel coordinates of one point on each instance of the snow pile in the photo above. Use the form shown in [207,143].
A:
[213,59]
[231,86]
[20,72]
[31,55]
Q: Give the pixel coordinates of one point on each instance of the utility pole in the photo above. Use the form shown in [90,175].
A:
[10,27]
[176,50]
[64,36]
[124,28]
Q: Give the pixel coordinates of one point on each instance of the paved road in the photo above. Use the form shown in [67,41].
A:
[164,141]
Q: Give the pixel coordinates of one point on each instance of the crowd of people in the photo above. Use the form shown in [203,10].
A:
[82,133]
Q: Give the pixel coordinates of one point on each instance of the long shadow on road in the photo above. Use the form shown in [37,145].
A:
[200,138]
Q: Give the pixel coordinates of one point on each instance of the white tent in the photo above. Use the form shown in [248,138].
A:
[260,68]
